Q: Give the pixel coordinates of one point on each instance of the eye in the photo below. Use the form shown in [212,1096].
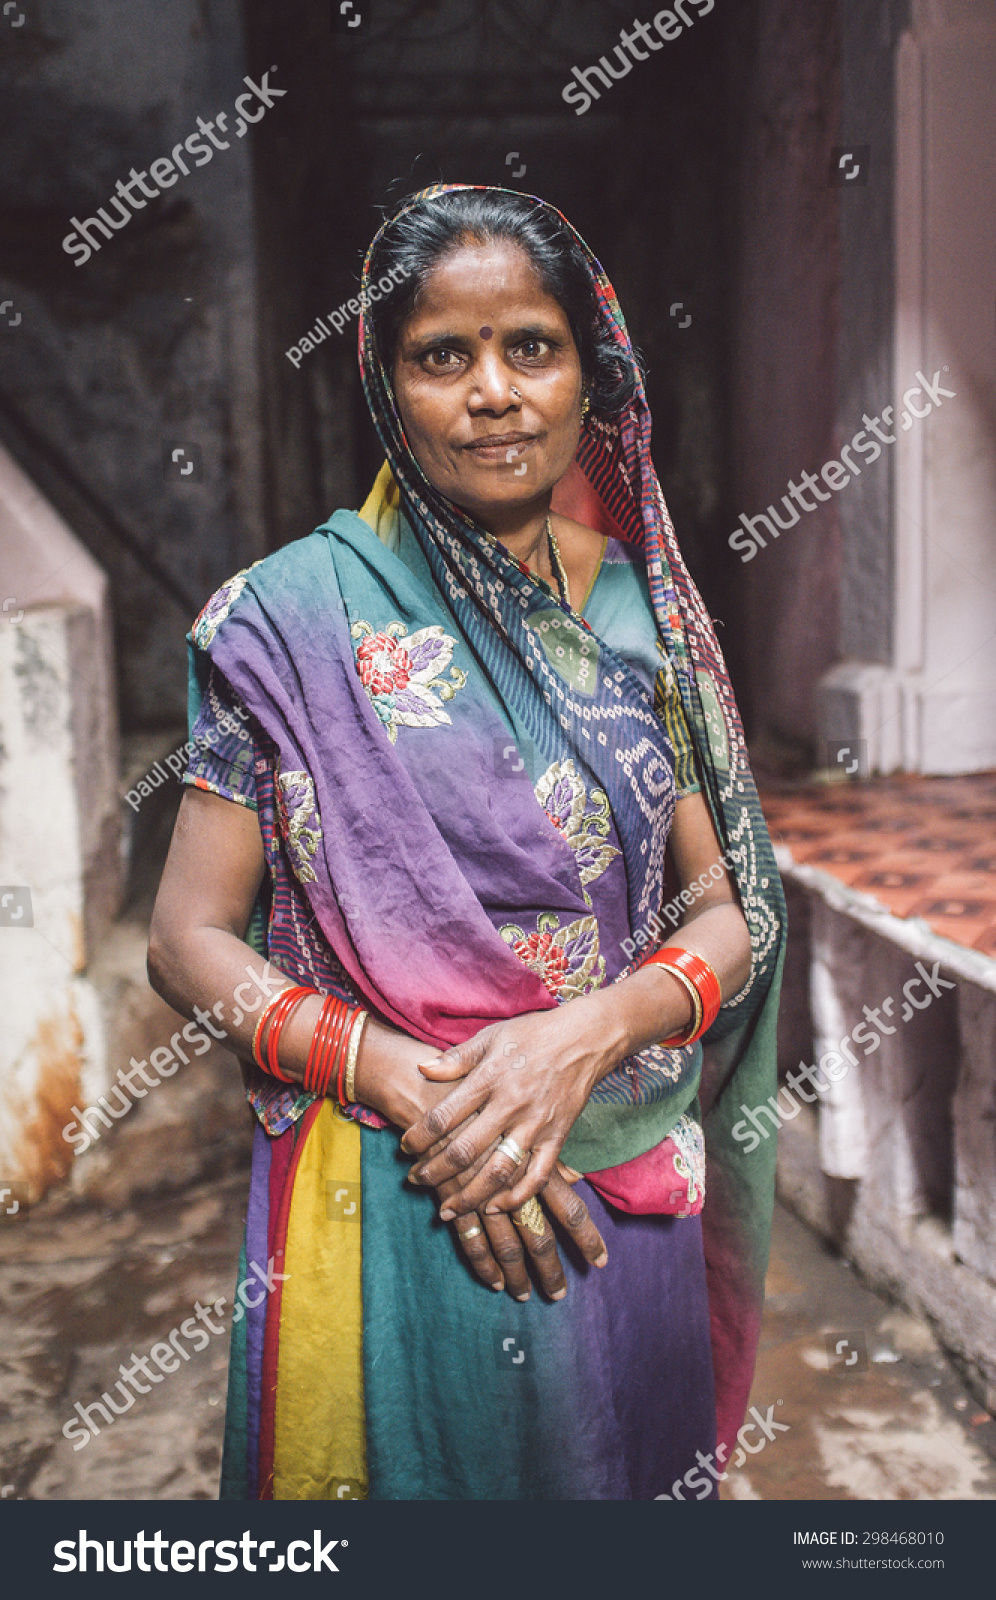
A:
[442,359]
[533,349]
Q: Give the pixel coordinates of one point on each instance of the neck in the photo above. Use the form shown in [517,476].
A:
[522,531]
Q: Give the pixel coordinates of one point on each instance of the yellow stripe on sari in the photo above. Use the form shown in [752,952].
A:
[320,1443]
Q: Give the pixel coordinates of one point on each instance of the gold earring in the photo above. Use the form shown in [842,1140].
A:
[585,407]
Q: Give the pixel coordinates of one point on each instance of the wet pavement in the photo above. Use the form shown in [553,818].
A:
[884,1418]
[873,1408]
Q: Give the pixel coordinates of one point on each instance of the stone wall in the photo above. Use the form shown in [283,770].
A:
[895,1158]
[149,344]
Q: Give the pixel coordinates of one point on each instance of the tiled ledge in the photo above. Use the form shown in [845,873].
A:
[896,1162]
[923,847]
[909,933]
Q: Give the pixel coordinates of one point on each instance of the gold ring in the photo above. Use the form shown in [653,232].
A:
[511,1148]
[531,1216]
[470,1233]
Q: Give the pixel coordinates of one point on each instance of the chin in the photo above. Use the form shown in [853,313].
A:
[502,495]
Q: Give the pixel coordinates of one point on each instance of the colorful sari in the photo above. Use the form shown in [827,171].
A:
[465,794]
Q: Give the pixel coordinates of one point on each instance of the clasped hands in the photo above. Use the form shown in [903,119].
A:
[521,1083]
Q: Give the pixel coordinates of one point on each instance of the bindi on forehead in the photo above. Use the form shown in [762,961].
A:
[487,333]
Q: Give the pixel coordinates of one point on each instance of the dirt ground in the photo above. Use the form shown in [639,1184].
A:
[885,1418]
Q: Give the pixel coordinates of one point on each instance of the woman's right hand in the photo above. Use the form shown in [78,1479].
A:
[498,1247]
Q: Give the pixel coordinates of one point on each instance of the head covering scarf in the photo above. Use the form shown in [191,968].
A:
[260,629]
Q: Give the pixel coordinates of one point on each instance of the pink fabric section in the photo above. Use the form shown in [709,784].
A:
[651,1183]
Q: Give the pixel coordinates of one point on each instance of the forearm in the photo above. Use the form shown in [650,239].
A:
[650,1004]
[211,972]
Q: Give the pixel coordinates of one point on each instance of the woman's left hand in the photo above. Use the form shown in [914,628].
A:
[526,1080]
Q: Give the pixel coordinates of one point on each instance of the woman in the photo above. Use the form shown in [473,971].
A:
[443,748]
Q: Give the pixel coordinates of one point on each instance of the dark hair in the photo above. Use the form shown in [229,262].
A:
[414,241]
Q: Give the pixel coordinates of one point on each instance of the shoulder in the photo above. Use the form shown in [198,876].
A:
[293,569]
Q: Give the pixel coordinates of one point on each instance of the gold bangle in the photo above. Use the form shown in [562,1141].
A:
[697,1012]
[349,1080]
[696,999]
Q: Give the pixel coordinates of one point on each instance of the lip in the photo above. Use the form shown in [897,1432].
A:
[494,446]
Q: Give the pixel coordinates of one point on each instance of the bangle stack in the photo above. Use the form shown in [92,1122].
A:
[335,1042]
[702,985]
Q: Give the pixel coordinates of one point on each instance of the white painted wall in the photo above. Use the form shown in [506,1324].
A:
[58,828]
[945,513]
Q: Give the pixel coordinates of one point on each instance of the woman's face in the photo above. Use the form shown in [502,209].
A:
[488,383]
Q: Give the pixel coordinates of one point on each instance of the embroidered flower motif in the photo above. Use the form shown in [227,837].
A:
[218,607]
[299,821]
[403,675]
[566,960]
[583,820]
[688,1157]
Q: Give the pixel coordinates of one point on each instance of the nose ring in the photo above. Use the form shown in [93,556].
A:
[515,392]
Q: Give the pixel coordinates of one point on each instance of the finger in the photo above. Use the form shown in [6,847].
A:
[476,1247]
[568,1174]
[510,1255]
[455,1063]
[541,1246]
[440,1145]
[570,1211]
[497,1174]
[452,1186]
[529,1183]
[446,1116]
[480,1137]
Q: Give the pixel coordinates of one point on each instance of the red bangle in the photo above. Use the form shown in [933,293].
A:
[289,1001]
[316,1052]
[320,1057]
[261,1037]
[702,976]
[335,1043]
